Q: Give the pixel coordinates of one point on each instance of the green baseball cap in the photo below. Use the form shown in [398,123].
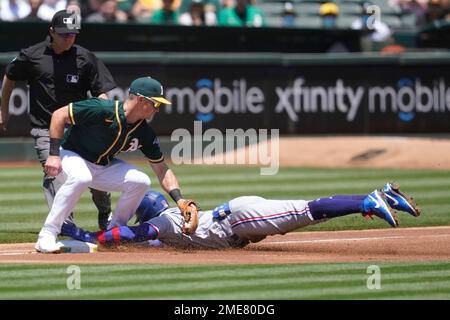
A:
[148,88]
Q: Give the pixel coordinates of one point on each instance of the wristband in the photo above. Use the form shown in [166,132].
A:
[54,146]
[175,194]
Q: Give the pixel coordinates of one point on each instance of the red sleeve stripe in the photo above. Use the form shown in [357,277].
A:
[101,237]
[116,235]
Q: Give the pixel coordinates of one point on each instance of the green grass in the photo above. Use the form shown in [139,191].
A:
[23,208]
[429,280]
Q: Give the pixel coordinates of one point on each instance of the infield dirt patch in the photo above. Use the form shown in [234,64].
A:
[409,244]
[355,152]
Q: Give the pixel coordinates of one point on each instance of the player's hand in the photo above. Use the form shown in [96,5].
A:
[53,166]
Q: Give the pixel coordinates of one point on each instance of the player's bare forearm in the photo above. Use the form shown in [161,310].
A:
[7,88]
[166,177]
[59,119]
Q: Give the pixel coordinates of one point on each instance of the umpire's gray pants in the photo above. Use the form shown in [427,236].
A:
[102,200]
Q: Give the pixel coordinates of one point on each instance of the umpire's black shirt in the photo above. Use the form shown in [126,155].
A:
[55,80]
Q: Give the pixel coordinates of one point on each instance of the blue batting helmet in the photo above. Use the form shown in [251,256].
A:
[151,206]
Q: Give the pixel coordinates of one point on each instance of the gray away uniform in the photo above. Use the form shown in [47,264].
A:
[249,219]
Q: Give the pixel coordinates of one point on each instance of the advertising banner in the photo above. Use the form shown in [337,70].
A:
[328,99]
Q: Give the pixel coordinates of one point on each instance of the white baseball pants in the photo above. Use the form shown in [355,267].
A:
[77,175]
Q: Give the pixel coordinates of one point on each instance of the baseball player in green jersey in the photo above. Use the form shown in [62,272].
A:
[84,156]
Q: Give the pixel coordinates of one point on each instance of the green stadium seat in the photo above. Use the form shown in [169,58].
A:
[308,22]
[271,8]
[274,21]
[349,8]
[345,22]
[351,1]
[307,8]
[391,21]
[386,8]
[408,20]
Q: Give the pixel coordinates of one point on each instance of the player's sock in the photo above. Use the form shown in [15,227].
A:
[327,208]
[350,196]
[116,235]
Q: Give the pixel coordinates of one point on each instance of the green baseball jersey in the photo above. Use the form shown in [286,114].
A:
[254,17]
[99,132]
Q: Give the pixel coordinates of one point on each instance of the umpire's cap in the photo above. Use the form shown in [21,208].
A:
[149,88]
[151,206]
[66,22]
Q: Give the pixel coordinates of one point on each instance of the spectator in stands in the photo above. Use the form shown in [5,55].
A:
[368,21]
[50,7]
[434,12]
[445,4]
[243,14]
[92,6]
[227,3]
[73,6]
[167,14]
[33,16]
[198,15]
[13,10]
[329,12]
[288,15]
[108,13]
[88,7]
[126,6]
[415,7]
[143,9]
[210,5]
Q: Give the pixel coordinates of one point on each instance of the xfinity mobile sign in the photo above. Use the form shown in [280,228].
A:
[299,97]
[310,99]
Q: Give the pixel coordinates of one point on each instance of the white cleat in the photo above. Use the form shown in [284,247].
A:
[47,244]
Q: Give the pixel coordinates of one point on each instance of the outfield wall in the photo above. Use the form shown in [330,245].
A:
[295,93]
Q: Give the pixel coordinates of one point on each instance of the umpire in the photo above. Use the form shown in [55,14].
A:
[58,72]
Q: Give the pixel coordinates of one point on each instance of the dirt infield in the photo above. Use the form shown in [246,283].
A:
[342,152]
[409,244]
[355,152]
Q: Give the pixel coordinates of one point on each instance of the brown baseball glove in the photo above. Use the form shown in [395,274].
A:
[189,210]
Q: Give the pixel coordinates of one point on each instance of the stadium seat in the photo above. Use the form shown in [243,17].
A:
[307,8]
[307,1]
[308,22]
[349,8]
[271,8]
[345,22]
[391,21]
[351,1]
[274,21]
[386,7]
[408,20]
